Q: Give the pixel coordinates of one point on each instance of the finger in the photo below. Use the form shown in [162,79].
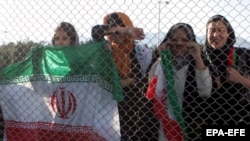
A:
[140,29]
[229,69]
[142,36]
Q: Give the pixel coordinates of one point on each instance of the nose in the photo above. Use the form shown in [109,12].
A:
[216,33]
[60,42]
[180,42]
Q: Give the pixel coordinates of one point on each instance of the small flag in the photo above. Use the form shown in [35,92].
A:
[166,106]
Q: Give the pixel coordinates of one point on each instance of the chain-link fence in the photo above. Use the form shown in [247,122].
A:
[26,25]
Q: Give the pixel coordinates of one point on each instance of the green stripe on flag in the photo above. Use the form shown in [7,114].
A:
[91,62]
[173,99]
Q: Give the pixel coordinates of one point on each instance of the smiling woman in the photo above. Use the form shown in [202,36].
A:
[229,103]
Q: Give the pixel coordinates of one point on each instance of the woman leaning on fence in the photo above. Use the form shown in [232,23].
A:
[132,60]
[229,104]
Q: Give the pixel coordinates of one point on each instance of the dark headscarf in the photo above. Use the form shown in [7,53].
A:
[185,26]
[220,56]
[180,61]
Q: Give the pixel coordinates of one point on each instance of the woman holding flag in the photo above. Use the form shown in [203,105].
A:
[230,97]
[180,77]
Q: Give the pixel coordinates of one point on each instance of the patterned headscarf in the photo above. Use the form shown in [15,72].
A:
[121,52]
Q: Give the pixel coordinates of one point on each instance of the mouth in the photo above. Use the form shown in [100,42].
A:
[215,40]
[176,46]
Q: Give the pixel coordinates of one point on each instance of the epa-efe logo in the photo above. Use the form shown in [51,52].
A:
[63,102]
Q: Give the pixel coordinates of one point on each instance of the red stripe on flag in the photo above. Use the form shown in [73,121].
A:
[172,130]
[151,88]
[39,131]
[230,61]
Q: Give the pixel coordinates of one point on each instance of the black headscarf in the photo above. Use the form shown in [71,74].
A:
[185,26]
[180,61]
[219,57]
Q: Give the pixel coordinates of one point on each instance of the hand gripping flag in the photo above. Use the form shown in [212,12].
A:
[166,106]
[62,93]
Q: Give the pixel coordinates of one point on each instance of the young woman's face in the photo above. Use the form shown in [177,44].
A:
[179,40]
[61,39]
[217,34]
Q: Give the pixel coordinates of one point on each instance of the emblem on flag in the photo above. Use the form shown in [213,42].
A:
[64,102]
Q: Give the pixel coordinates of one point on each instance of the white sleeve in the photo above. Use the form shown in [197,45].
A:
[144,56]
[204,82]
[153,69]
[160,89]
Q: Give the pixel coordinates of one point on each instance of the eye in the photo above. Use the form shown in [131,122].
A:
[185,40]
[57,38]
[174,39]
[65,38]
[116,33]
[222,30]
[211,30]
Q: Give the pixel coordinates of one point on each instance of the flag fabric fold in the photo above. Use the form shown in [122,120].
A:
[62,93]
[166,105]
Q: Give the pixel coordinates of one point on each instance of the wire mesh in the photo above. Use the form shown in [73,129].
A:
[29,24]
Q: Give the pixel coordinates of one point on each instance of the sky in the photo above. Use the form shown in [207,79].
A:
[36,20]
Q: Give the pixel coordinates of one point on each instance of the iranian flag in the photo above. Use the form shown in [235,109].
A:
[62,93]
[166,107]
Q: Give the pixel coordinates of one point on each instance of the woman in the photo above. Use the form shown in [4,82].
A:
[180,80]
[137,121]
[65,35]
[229,102]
